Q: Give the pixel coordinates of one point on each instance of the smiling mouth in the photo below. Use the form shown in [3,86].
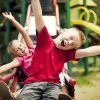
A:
[23,51]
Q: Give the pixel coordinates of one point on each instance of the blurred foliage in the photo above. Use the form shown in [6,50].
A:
[2,3]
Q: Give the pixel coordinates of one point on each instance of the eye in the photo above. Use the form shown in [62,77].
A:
[17,50]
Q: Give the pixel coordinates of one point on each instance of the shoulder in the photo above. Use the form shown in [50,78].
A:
[43,30]
[18,60]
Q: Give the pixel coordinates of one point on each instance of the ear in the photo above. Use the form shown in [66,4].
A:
[83,38]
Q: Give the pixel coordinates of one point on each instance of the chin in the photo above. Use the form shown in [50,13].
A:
[59,47]
[64,48]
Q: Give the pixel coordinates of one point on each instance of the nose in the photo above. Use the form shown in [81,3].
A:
[70,42]
[20,48]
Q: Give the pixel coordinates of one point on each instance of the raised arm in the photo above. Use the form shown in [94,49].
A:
[90,51]
[19,28]
[37,10]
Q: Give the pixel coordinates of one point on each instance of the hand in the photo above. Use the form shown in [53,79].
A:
[8,15]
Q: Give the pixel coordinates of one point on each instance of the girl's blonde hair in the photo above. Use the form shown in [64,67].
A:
[9,49]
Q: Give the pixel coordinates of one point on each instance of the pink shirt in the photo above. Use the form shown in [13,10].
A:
[26,61]
[48,60]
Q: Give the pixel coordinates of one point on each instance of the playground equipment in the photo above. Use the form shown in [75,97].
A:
[86,12]
[92,26]
[88,25]
[94,15]
[81,20]
[31,31]
[90,12]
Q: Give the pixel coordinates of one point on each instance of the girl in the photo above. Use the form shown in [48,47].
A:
[22,53]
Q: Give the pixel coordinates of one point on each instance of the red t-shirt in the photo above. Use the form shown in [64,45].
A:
[48,60]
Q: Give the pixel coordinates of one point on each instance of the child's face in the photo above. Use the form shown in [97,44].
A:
[19,49]
[68,39]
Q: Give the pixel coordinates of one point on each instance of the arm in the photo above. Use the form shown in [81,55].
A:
[90,51]
[3,22]
[19,28]
[29,13]
[9,66]
[20,37]
[37,10]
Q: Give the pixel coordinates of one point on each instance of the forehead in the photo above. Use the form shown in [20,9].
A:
[72,31]
[15,42]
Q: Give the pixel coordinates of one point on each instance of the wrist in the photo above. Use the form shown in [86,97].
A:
[12,19]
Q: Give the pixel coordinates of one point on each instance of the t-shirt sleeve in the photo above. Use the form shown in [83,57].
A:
[20,60]
[43,37]
[70,55]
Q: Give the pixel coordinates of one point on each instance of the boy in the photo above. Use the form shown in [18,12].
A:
[16,48]
[49,57]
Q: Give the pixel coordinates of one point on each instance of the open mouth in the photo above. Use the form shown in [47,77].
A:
[62,43]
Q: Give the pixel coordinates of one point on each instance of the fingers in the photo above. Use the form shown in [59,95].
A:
[10,13]
[6,13]
[3,14]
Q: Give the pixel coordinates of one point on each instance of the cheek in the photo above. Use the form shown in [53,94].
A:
[59,39]
[19,53]
[78,44]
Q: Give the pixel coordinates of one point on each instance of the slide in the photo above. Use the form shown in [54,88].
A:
[88,25]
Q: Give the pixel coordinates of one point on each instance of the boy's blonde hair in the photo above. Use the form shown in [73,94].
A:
[82,37]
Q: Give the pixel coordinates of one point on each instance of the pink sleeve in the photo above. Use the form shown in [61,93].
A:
[20,60]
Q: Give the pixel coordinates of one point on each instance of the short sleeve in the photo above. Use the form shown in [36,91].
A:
[70,55]
[20,60]
[43,37]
